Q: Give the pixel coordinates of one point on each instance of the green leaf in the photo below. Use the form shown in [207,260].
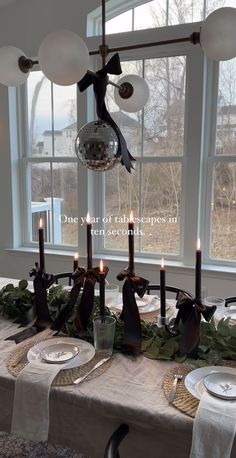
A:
[23,284]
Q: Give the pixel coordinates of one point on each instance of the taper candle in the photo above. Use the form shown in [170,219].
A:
[198,271]
[76,261]
[89,242]
[41,246]
[131,242]
[163,289]
[102,289]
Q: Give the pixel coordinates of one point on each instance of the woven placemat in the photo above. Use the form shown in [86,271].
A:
[18,360]
[183,400]
[152,317]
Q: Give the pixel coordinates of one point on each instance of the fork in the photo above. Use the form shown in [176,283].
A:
[171,397]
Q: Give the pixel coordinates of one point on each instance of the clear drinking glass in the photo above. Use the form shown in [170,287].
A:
[220,304]
[111,294]
[103,333]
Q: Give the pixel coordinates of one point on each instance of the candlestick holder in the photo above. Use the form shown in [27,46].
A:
[42,281]
[162,321]
[130,314]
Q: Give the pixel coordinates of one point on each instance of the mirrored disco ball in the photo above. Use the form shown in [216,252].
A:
[96,146]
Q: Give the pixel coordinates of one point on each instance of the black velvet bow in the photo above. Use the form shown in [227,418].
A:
[190,311]
[87,279]
[99,81]
[42,281]
[130,314]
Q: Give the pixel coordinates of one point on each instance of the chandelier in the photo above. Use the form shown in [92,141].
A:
[64,59]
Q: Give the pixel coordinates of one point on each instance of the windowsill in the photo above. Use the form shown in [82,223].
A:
[177,267]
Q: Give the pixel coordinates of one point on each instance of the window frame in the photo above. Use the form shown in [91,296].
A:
[193,129]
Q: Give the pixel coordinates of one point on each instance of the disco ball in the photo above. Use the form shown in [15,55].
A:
[96,146]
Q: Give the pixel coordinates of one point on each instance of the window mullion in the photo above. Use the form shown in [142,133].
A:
[191,167]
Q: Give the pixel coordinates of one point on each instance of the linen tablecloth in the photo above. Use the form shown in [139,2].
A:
[83,417]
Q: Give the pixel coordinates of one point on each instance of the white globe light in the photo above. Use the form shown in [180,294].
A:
[218,34]
[139,97]
[63,57]
[10,72]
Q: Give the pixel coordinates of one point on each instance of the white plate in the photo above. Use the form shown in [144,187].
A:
[194,380]
[86,353]
[148,303]
[59,353]
[231,312]
[221,385]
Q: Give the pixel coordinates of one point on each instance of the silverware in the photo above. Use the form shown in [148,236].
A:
[172,392]
[100,363]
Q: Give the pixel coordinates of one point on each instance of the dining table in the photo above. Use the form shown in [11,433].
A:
[83,417]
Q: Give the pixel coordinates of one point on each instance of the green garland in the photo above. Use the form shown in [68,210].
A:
[217,343]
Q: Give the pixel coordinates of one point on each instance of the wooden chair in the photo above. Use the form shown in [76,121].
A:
[172,289]
[229,300]
[112,448]
[63,275]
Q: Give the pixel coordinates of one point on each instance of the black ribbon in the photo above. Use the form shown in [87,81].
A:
[87,279]
[130,314]
[190,311]
[100,81]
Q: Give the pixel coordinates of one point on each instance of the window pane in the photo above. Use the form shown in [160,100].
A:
[121,23]
[184,11]
[122,196]
[149,15]
[41,205]
[65,126]
[164,112]
[65,204]
[39,115]
[212,5]
[130,124]
[223,212]
[161,194]
[226,109]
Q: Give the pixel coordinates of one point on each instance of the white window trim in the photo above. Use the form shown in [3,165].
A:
[193,126]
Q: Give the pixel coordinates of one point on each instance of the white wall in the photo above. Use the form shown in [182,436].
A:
[24,24]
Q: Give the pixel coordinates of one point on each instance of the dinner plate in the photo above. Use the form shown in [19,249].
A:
[86,351]
[148,303]
[231,312]
[194,380]
[221,385]
[59,353]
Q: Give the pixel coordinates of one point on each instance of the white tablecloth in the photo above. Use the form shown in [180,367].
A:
[83,417]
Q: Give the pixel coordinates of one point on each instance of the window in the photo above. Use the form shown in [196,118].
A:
[183,141]
[138,15]
[155,137]
[50,163]
[222,167]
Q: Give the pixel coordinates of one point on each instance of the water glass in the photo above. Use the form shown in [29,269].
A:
[103,333]
[220,304]
[111,294]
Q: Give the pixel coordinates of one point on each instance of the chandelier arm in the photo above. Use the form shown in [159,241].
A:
[194,38]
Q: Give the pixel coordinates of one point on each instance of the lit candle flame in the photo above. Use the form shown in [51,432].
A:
[131,217]
[101,266]
[162,263]
[76,256]
[88,219]
[41,223]
[198,244]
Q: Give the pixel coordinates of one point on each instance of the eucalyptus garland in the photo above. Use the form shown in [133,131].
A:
[217,341]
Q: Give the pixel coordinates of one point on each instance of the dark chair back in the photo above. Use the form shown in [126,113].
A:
[67,275]
[172,289]
[112,448]
[229,300]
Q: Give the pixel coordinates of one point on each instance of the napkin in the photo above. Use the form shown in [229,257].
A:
[148,301]
[214,428]
[30,418]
